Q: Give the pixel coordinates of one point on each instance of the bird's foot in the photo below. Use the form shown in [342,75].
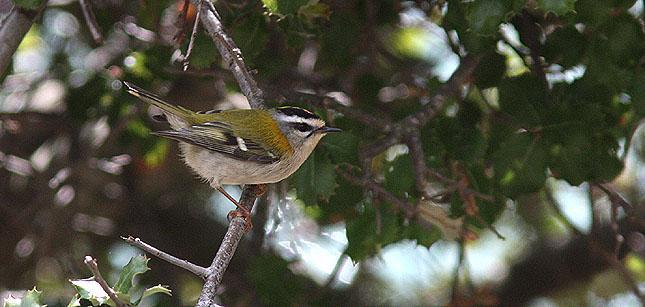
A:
[244,214]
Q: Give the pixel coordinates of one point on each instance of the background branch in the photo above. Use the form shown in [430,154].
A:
[91,263]
[13,28]
[185,264]
[231,54]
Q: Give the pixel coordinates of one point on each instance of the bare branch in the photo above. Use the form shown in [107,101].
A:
[236,230]
[231,54]
[91,263]
[376,188]
[193,35]
[184,264]
[90,19]
[13,28]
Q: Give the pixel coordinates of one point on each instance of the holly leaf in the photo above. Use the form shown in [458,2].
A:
[137,265]
[316,179]
[365,238]
[559,7]
[154,290]
[32,298]
[520,165]
[91,290]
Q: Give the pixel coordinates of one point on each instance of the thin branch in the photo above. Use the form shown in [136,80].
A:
[90,20]
[614,197]
[184,264]
[334,273]
[193,35]
[419,160]
[14,26]
[231,54]
[91,263]
[236,230]
[376,188]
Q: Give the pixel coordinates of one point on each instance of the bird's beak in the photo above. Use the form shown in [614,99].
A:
[326,129]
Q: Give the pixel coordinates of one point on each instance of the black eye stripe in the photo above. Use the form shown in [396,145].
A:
[290,111]
[302,127]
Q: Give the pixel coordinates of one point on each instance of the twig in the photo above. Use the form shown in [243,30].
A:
[231,54]
[614,197]
[13,28]
[460,262]
[91,263]
[236,230]
[334,273]
[184,264]
[90,20]
[376,188]
[419,160]
[193,35]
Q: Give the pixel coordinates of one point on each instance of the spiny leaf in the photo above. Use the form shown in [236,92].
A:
[154,290]
[30,299]
[559,7]
[137,265]
[90,290]
[316,178]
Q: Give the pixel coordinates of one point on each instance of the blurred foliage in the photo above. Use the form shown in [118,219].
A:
[559,87]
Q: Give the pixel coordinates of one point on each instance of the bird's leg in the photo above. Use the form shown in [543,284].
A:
[241,211]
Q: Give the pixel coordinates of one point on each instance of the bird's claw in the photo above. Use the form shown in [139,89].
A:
[244,214]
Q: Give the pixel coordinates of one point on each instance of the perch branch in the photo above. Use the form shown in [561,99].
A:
[231,54]
[91,263]
[184,264]
[236,230]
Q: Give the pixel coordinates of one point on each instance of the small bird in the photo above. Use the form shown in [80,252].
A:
[242,146]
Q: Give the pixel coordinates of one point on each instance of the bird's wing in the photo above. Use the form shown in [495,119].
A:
[220,137]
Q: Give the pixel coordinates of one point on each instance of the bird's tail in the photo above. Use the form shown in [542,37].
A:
[176,115]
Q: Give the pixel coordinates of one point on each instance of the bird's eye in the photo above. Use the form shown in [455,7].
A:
[302,127]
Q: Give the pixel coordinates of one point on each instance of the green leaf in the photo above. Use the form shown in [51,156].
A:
[90,290]
[342,147]
[565,46]
[399,176]
[520,165]
[559,7]
[485,16]
[32,298]
[204,53]
[274,282]
[363,236]
[28,4]
[154,290]
[490,70]
[316,179]
[314,10]
[137,265]
[522,97]
[342,203]
[421,235]
[75,301]
[284,7]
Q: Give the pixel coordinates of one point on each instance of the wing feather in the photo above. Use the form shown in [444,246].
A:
[220,137]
